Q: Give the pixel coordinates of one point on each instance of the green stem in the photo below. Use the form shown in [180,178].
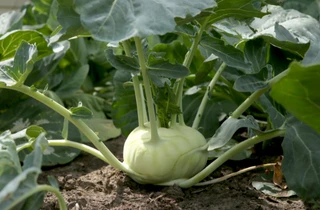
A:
[187,62]
[248,102]
[68,143]
[147,88]
[39,188]
[83,127]
[227,155]
[205,98]
[137,90]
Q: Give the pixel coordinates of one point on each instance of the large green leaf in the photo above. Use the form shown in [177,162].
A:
[301,163]
[238,9]
[10,42]
[227,130]
[230,55]
[298,92]
[118,20]
[18,71]
[310,7]
[301,27]
[24,182]
[11,20]
[30,112]
[124,108]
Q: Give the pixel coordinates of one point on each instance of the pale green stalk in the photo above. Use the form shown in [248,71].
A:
[147,88]
[39,188]
[227,155]
[205,98]
[68,143]
[137,91]
[83,127]
[255,95]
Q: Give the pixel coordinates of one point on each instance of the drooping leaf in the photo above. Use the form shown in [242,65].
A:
[18,71]
[210,122]
[301,164]
[239,9]
[10,42]
[124,108]
[303,29]
[230,55]
[11,20]
[298,93]
[256,53]
[122,62]
[227,130]
[114,21]
[25,182]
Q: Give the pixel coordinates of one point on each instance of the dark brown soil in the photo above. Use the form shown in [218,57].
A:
[89,184]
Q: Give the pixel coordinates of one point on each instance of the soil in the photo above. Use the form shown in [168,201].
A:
[88,183]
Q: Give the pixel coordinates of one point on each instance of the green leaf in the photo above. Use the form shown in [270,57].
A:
[301,163]
[115,21]
[104,128]
[169,70]
[11,20]
[10,42]
[25,182]
[310,7]
[238,9]
[277,26]
[34,131]
[255,52]
[298,93]
[272,190]
[81,112]
[22,65]
[122,62]
[227,130]
[227,53]
[124,108]
[215,108]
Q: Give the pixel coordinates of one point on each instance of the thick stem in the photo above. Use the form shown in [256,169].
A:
[248,102]
[227,155]
[205,98]
[187,62]
[137,90]
[39,188]
[83,127]
[147,88]
[68,143]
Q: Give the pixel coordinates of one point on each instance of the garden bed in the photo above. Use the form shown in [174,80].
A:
[88,183]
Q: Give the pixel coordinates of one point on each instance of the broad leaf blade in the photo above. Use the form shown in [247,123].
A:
[301,163]
[298,92]
[169,70]
[227,130]
[11,41]
[118,20]
[122,62]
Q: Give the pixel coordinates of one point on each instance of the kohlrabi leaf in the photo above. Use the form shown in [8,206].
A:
[301,163]
[81,112]
[310,7]
[10,42]
[251,83]
[104,128]
[239,9]
[29,112]
[25,183]
[18,71]
[255,52]
[9,159]
[122,62]
[298,93]
[124,108]
[227,53]
[11,20]
[72,81]
[115,21]
[228,129]
[303,30]
[216,108]
[169,70]
[276,118]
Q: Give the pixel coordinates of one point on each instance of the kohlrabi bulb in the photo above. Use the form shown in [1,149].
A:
[179,153]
